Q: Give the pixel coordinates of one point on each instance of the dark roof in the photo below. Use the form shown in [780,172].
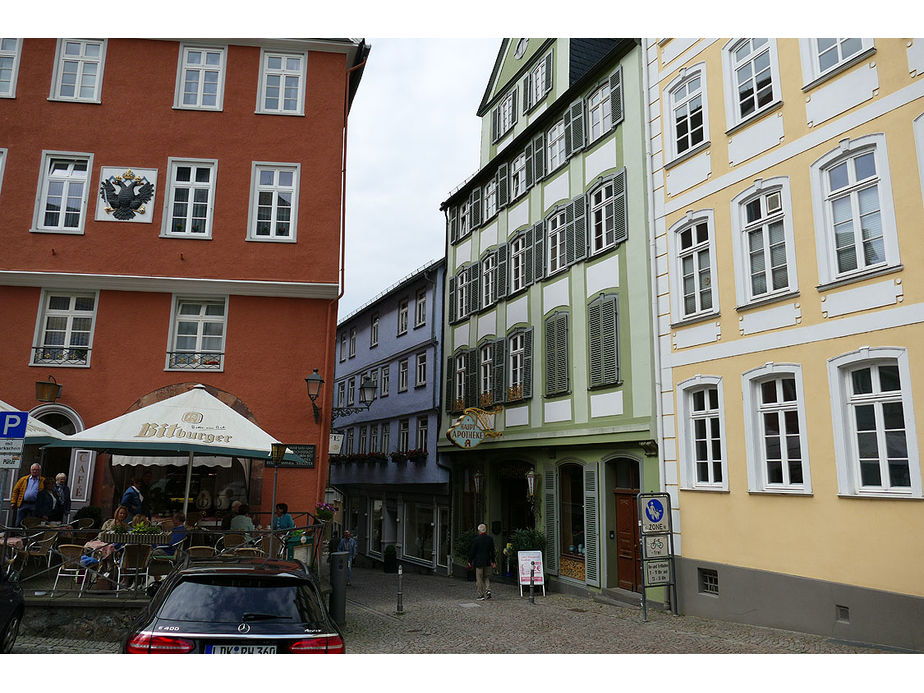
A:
[585,54]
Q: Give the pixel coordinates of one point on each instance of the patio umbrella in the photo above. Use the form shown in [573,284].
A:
[194,422]
[37,433]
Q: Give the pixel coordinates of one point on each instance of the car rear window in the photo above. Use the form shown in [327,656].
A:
[234,599]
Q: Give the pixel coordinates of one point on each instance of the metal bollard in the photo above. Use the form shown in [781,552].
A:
[532,578]
[400,609]
[338,570]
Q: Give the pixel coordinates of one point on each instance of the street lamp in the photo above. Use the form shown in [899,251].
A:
[478,478]
[367,391]
[47,390]
[531,483]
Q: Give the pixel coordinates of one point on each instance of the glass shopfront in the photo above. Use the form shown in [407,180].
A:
[418,527]
[375,526]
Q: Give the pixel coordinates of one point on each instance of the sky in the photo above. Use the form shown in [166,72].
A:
[413,138]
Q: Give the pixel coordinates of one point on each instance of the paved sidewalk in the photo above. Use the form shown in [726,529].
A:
[443,616]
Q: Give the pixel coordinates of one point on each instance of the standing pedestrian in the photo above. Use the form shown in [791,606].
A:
[25,493]
[348,544]
[481,556]
[62,498]
[132,498]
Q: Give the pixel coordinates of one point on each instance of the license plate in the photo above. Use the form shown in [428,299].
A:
[240,649]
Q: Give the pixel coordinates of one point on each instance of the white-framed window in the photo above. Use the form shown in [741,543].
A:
[686,107]
[875,441]
[78,73]
[461,381]
[200,81]
[486,374]
[403,368]
[64,184]
[600,112]
[420,309]
[348,442]
[602,217]
[363,433]
[824,57]
[64,334]
[282,83]
[762,236]
[374,438]
[774,427]
[518,176]
[540,80]
[694,254]
[341,393]
[386,381]
[374,330]
[465,217]
[490,199]
[190,202]
[404,434]
[462,289]
[386,437]
[421,369]
[518,263]
[402,316]
[352,342]
[555,146]
[489,280]
[351,392]
[752,79]
[855,226]
[516,366]
[343,346]
[198,339]
[504,115]
[555,226]
[10,51]
[423,425]
[702,434]
[273,202]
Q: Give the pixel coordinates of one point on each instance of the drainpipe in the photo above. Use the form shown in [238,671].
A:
[652,251]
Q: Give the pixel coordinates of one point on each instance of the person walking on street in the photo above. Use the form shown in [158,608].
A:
[25,493]
[348,544]
[481,556]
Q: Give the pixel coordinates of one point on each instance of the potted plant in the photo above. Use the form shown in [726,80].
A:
[398,456]
[418,455]
[324,511]
[391,559]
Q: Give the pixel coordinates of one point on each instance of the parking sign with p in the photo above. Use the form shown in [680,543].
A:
[12,431]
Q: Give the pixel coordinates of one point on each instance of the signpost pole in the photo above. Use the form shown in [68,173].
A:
[532,579]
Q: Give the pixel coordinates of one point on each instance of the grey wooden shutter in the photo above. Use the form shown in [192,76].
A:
[550,519]
[503,186]
[538,170]
[501,271]
[495,122]
[538,252]
[527,236]
[472,290]
[453,223]
[500,371]
[591,529]
[527,92]
[450,382]
[602,340]
[475,207]
[620,211]
[616,96]
[529,164]
[471,379]
[452,300]
[574,128]
[579,227]
[513,120]
[556,354]
[528,363]
[548,73]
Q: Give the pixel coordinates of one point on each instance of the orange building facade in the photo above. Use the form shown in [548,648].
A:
[171,214]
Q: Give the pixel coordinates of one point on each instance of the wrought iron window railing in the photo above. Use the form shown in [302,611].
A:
[60,355]
[196,360]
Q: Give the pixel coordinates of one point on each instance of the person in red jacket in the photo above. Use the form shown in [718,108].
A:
[481,556]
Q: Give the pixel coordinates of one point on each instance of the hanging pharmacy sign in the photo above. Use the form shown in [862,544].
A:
[470,429]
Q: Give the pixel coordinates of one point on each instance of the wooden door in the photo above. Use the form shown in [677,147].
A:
[628,549]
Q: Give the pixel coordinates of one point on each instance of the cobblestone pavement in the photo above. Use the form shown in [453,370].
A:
[443,616]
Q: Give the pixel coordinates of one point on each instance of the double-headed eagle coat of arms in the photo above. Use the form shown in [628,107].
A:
[129,198]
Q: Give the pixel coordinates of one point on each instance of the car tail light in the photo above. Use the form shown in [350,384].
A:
[327,644]
[145,643]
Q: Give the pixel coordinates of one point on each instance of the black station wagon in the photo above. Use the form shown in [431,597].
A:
[236,605]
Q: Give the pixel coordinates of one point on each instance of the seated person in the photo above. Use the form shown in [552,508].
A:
[282,519]
[119,517]
[242,522]
[178,535]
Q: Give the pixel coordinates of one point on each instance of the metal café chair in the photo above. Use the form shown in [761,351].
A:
[134,564]
[70,566]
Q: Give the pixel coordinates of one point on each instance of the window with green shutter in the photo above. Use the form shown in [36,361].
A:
[557,361]
[607,221]
[603,340]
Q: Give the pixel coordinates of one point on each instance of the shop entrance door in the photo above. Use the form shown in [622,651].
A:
[628,550]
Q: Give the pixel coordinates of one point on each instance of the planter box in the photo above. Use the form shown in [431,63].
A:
[130,538]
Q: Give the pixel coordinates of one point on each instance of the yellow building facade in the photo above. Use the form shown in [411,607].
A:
[786,180]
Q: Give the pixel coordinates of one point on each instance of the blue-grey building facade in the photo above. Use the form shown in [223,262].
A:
[394,490]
